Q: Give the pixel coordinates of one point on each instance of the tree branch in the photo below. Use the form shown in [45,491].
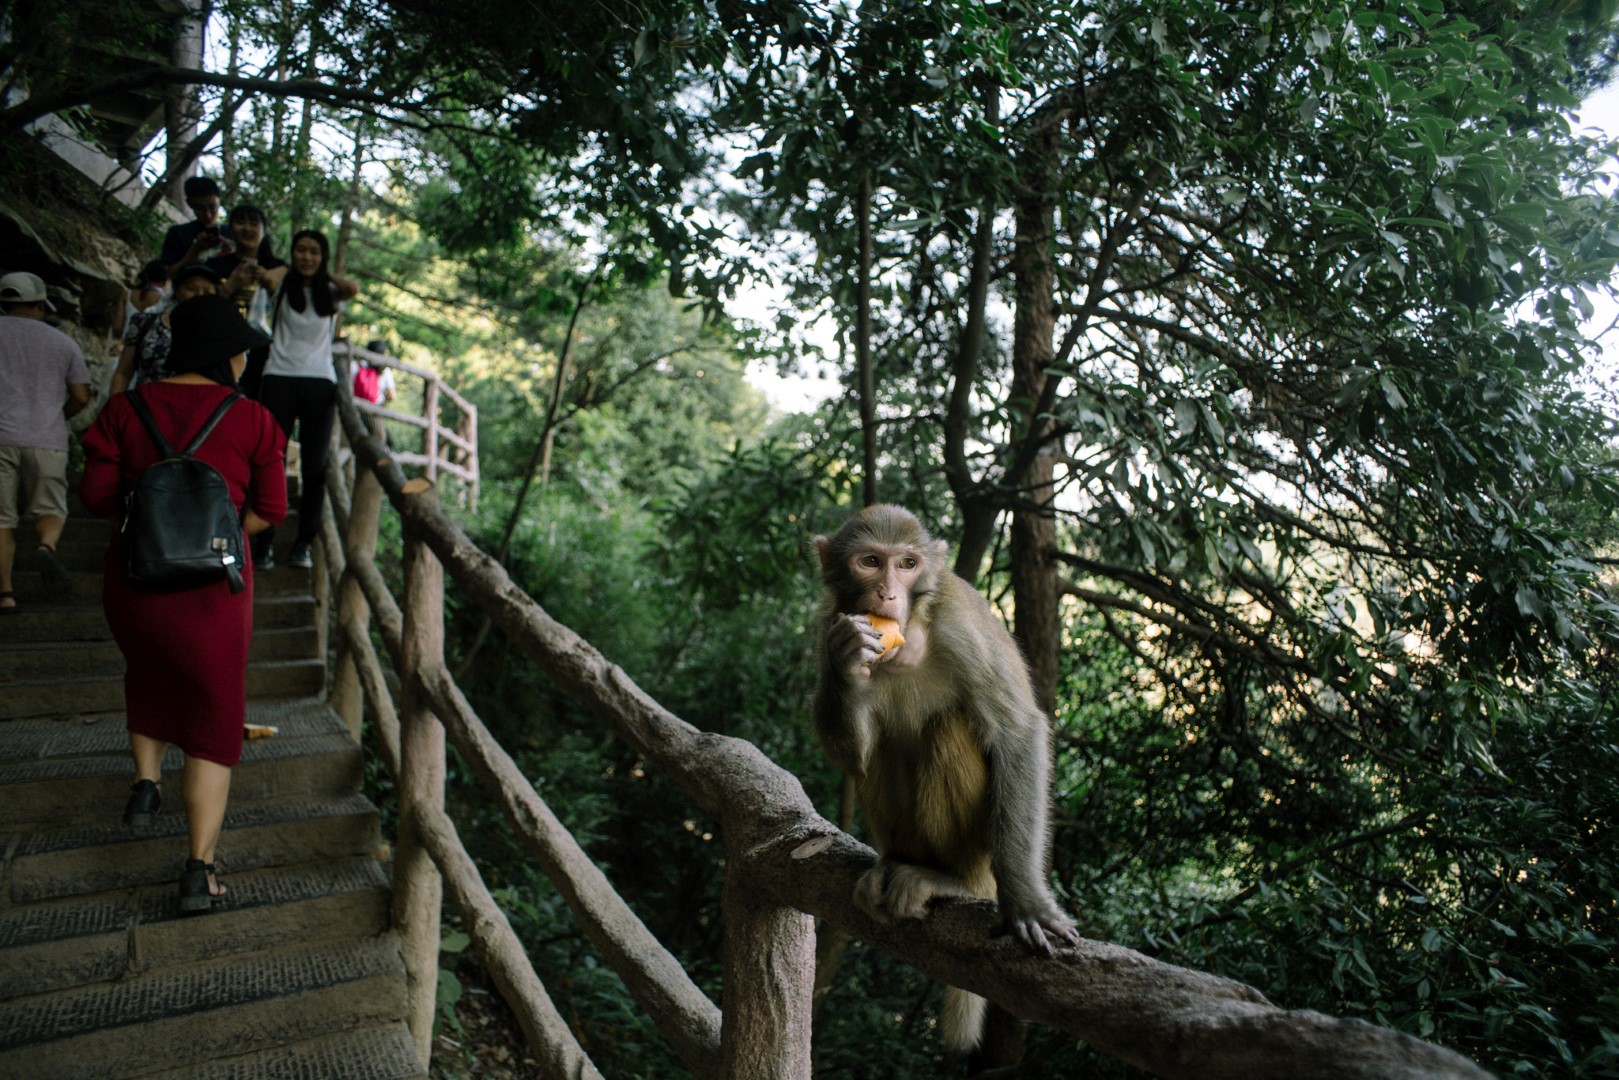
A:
[25,112]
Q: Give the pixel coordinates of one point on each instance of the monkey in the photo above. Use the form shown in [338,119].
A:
[947,745]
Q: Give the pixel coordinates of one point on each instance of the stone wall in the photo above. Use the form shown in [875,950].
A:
[86,245]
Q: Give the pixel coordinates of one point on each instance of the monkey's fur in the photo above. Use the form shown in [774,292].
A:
[945,741]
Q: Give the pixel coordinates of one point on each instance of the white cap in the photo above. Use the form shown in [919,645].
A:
[22,287]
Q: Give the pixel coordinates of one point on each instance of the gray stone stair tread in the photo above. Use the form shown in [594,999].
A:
[159,995]
[20,658]
[97,734]
[101,693]
[81,619]
[86,584]
[83,916]
[237,816]
[77,616]
[117,765]
[380,1053]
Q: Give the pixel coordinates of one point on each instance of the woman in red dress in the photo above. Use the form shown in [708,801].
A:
[185,651]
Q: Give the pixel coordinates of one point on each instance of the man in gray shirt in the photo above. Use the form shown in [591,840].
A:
[43,381]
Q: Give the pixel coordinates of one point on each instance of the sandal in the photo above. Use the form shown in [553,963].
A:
[11,608]
[195,895]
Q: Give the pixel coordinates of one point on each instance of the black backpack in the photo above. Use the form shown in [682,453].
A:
[181,529]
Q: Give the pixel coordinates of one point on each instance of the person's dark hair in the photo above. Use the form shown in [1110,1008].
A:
[318,285]
[197,187]
[246,212]
[191,270]
[155,272]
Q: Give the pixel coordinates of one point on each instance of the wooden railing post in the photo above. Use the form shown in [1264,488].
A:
[360,545]
[469,431]
[418,889]
[430,414]
[769,985]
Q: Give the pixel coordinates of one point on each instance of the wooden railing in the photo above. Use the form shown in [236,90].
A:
[449,443]
[784,862]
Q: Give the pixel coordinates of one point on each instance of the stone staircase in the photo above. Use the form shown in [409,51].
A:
[299,976]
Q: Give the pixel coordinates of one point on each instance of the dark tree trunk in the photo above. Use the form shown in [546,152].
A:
[1034,529]
[978,509]
[181,109]
[862,344]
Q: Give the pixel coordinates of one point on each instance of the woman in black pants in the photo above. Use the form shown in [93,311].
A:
[300,379]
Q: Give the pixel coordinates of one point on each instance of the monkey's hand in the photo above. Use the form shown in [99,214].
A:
[853,645]
[1030,923]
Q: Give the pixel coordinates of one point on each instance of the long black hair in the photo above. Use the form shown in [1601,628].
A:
[245,212]
[319,284]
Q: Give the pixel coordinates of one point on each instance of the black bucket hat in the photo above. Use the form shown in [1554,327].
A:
[208,331]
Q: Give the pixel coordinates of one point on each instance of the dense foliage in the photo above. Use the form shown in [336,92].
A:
[1245,342]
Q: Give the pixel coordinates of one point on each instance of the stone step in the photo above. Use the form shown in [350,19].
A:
[381,1053]
[82,620]
[20,661]
[86,584]
[53,945]
[173,1018]
[77,772]
[105,693]
[44,863]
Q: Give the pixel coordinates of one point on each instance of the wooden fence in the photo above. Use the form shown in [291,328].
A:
[449,443]
[784,862]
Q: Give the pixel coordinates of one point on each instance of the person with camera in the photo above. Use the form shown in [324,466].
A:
[185,648]
[248,279]
[193,241]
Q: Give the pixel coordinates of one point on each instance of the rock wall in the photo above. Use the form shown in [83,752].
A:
[84,244]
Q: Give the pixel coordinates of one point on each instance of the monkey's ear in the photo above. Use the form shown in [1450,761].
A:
[941,551]
[823,550]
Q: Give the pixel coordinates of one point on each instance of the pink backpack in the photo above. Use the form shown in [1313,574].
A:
[367,383]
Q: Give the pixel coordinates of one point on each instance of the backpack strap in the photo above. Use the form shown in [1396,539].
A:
[208,426]
[145,414]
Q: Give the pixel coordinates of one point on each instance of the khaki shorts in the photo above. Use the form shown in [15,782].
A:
[41,474]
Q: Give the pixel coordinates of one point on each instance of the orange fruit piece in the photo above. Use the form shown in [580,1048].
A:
[889,629]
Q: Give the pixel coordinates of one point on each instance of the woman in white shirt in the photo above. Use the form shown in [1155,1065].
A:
[300,379]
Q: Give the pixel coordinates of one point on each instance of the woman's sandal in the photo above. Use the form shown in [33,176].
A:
[11,608]
[195,896]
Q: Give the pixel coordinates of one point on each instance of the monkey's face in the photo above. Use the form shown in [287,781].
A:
[882,580]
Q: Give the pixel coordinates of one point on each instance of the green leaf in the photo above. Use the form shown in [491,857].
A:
[1529,603]
[1391,392]
[1186,416]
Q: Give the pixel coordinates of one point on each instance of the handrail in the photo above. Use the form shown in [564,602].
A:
[655,979]
[784,861]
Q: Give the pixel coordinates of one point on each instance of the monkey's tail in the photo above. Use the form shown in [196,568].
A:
[962,1021]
